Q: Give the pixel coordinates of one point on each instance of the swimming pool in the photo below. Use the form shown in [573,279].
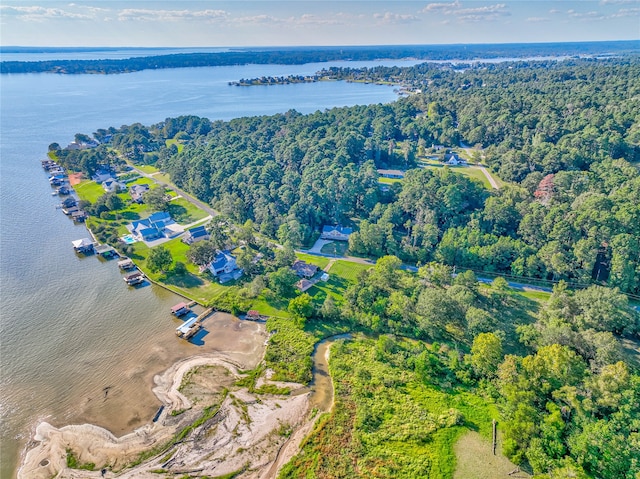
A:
[129,239]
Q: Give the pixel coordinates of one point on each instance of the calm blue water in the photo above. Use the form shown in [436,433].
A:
[68,325]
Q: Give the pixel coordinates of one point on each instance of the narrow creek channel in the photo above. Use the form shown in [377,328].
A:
[321,385]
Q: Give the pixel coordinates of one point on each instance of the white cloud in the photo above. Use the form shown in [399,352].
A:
[40,14]
[149,15]
[537,19]
[618,2]
[485,13]
[389,18]
[441,7]
[626,12]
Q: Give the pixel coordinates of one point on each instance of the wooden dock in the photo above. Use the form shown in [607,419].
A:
[191,326]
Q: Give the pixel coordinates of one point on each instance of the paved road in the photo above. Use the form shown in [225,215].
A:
[493,182]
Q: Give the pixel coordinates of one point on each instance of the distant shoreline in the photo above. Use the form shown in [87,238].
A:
[302,55]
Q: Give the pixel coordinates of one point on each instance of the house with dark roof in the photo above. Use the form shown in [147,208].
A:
[397,174]
[193,235]
[336,233]
[303,269]
[112,184]
[136,192]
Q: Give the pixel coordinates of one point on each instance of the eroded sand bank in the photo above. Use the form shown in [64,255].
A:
[248,432]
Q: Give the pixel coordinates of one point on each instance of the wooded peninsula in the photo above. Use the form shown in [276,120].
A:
[300,55]
[440,353]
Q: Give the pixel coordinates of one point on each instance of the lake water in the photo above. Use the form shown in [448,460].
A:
[69,326]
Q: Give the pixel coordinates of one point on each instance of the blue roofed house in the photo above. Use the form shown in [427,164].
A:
[193,235]
[336,233]
[224,267]
[152,227]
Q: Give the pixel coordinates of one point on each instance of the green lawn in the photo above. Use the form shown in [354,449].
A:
[141,181]
[178,144]
[89,190]
[341,275]
[148,169]
[335,248]
[389,181]
[184,212]
[319,261]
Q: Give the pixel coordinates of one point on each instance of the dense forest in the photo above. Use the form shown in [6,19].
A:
[566,137]
[300,55]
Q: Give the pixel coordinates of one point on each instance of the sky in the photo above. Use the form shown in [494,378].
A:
[178,23]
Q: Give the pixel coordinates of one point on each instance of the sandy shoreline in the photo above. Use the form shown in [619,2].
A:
[248,432]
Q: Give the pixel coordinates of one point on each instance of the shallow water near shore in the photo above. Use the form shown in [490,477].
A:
[69,326]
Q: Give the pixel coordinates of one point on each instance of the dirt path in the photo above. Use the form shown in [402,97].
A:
[493,182]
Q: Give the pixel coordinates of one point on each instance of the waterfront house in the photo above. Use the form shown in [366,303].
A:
[193,235]
[223,262]
[152,227]
[224,267]
[102,175]
[336,233]
[303,269]
[136,192]
[112,184]
[84,246]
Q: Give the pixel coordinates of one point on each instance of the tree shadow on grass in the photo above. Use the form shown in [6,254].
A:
[183,280]
[179,213]
[130,215]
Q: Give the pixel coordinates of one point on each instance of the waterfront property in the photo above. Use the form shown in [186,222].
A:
[224,267]
[107,252]
[134,278]
[126,264]
[136,192]
[180,309]
[151,228]
[189,328]
[193,235]
[112,184]
[84,246]
[336,233]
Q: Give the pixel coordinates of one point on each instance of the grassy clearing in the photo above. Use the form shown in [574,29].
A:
[475,459]
[178,144]
[289,351]
[148,169]
[319,261]
[184,212]
[341,274]
[389,181]
[89,190]
[335,248]
[386,422]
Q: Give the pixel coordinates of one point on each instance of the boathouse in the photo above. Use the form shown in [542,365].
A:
[180,309]
[126,264]
[107,251]
[134,278]
[84,245]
